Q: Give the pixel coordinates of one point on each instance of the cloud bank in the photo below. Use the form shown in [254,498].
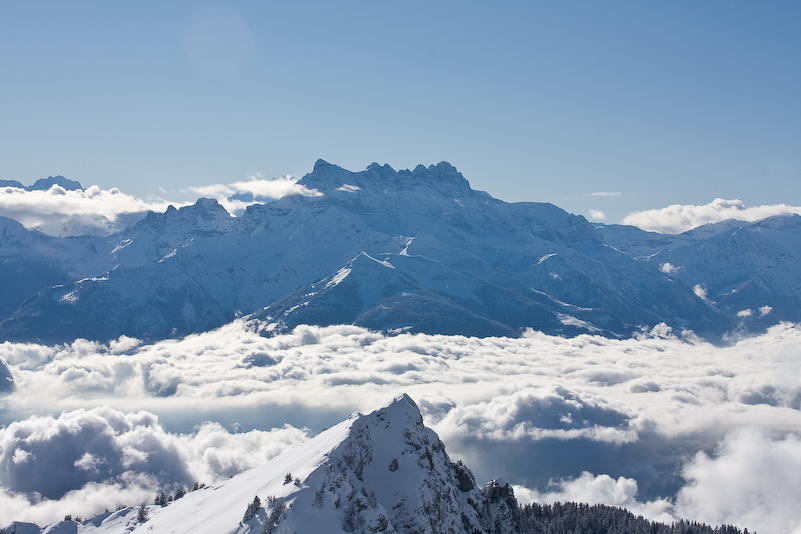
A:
[62,213]
[679,218]
[652,424]
[85,461]
[751,479]
[94,211]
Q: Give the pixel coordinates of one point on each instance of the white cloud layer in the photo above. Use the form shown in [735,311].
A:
[751,479]
[85,461]
[60,212]
[679,218]
[237,196]
[648,423]
[600,489]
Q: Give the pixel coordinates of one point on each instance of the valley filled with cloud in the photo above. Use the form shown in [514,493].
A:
[664,424]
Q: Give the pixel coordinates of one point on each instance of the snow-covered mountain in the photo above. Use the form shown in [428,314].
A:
[380,472]
[384,471]
[747,270]
[411,250]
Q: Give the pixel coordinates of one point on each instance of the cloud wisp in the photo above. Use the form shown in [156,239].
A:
[644,423]
[237,196]
[679,218]
[601,194]
[597,215]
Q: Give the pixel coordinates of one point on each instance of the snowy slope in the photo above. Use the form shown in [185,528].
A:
[751,270]
[31,261]
[379,472]
[642,243]
[747,270]
[418,294]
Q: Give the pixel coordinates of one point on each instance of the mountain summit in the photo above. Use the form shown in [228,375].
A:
[379,472]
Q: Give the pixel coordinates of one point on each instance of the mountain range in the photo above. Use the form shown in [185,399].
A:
[44,184]
[412,250]
[380,472]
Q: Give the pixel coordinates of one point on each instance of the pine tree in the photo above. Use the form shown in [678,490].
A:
[141,516]
[251,510]
[277,508]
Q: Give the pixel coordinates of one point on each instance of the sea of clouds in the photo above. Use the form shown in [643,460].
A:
[665,425]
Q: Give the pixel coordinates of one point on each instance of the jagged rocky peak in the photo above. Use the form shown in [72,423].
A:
[206,214]
[331,179]
[392,474]
[207,207]
[382,471]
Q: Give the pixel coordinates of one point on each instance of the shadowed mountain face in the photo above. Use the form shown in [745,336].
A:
[410,250]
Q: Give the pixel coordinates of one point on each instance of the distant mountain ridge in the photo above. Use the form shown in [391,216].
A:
[416,251]
[383,471]
[44,184]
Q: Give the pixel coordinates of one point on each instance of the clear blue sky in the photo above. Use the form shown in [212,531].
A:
[662,102]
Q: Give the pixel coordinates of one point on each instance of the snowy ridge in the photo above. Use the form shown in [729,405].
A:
[379,472]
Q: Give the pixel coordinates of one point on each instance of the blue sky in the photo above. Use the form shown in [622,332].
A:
[661,102]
